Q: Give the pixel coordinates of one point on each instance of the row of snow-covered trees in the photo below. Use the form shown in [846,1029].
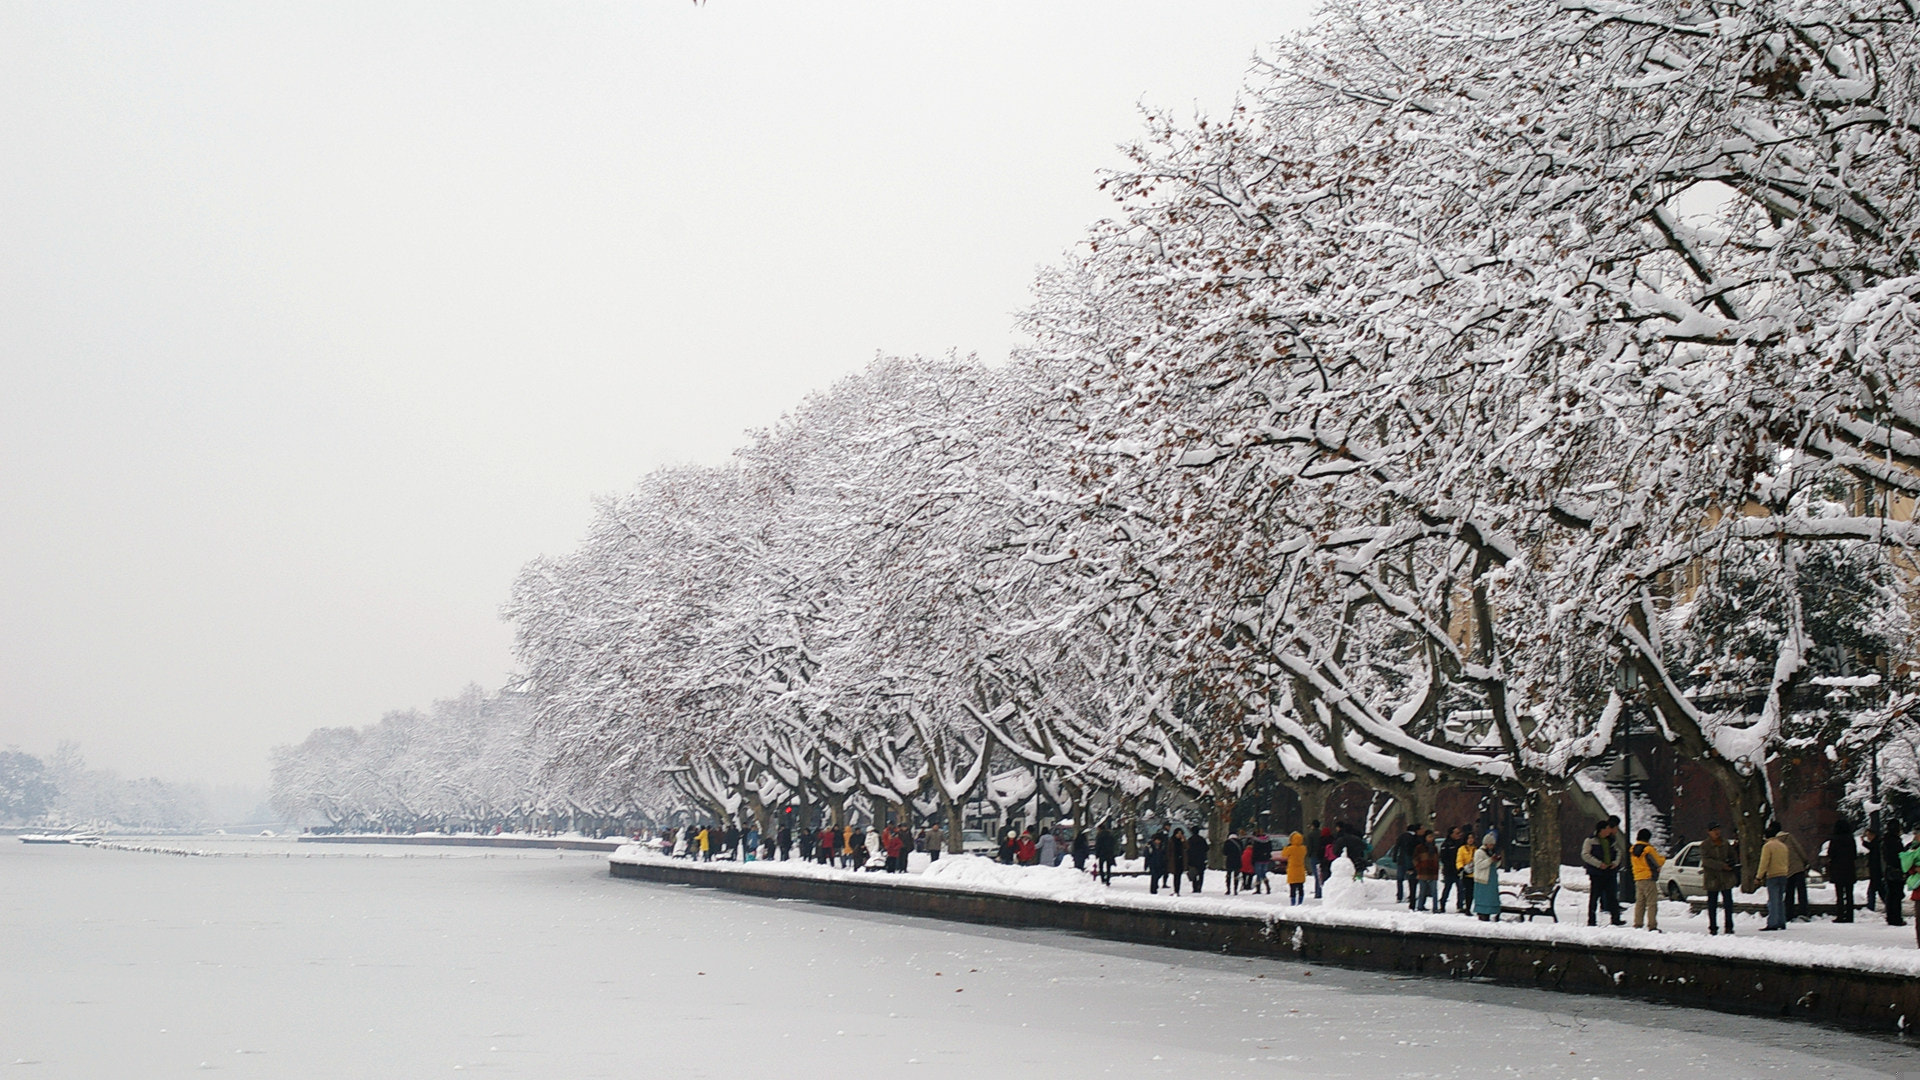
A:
[1499,371]
[1497,367]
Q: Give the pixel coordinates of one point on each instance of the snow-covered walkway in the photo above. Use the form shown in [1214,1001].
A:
[1868,945]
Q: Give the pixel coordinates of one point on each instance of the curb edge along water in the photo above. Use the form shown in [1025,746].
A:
[1855,1001]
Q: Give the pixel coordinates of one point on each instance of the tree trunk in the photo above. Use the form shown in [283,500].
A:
[1313,801]
[1217,824]
[956,821]
[1747,794]
[1543,826]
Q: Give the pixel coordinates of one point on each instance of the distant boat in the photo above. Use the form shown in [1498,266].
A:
[59,838]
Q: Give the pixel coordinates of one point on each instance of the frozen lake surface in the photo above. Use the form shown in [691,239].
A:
[419,962]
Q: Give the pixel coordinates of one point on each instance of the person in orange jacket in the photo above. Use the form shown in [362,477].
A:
[1295,856]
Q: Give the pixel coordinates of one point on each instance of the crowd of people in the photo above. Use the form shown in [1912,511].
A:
[850,847]
[1890,872]
[1458,872]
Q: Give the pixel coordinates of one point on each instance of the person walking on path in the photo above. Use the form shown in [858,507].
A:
[1106,849]
[1463,860]
[1798,863]
[1449,868]
[1080,849]
[1311,837]
[1049,849]
[1028,852]
[1230,859]
[1773,870]
[1647,862]
[1197,848]
[1262,853]
[1892,876]
[1356,848]
[1486,878]
[1843,868]
[1177,858]
[1323,858]
[1156,860]
[1719,875]
[1426,874]
[1403,862]
[1295,857]
[1601,856]
[894,843]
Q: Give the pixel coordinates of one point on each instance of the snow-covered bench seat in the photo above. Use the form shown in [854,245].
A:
[1528,901]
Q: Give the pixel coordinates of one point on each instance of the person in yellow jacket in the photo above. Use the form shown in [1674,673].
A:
[1295,856]
[1646,861]
[1463,861]
[1775,870]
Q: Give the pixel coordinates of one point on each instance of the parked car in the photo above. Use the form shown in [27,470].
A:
[975,842]
[1682,873]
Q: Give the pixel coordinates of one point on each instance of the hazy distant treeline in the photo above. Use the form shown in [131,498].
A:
[469,763]
[62,791]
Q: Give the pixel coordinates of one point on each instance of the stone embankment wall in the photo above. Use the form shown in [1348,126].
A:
[1861,1001]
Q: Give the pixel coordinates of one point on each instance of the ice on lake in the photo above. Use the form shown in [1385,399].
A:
[421,962]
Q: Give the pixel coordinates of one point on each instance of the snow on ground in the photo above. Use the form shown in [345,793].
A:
[516,964]
[1865,945]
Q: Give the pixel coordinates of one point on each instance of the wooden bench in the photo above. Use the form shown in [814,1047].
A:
[1530,901]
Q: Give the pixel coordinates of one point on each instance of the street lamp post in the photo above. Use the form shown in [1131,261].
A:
[1626,680]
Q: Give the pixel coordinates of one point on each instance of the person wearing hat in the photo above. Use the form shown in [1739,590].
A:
[1719,875]
[1295,858]
[1486,878]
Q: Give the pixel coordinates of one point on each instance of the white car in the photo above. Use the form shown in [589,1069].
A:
[1683,874]
[975,842]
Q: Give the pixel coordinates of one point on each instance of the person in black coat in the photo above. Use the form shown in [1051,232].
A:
[1892,880]
[1449,866]
[1080,849]
[1230,858]
[1177,858]
[1156,860]
[1403,863]
[1106,849]
[1262,861]
[1197,848]
[1842,869]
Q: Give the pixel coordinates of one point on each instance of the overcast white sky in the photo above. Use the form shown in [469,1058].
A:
[318,320]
